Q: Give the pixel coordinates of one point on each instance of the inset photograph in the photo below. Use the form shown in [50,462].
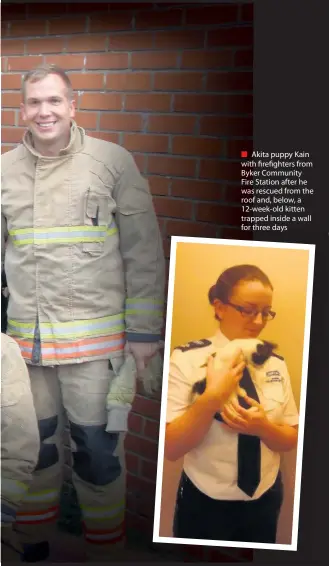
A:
[234,393]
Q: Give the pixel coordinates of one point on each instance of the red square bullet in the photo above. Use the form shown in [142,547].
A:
[244,154]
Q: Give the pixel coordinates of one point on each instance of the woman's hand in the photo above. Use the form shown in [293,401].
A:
[246,421]
[222,382]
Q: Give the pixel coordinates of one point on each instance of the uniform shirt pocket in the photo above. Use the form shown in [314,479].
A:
[96,220]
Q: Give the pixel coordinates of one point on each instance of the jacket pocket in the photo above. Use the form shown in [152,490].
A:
[96,215]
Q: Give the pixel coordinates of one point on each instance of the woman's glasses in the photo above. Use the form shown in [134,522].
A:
[249,312]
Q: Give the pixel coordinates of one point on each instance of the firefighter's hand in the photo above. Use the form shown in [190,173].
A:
[142,352]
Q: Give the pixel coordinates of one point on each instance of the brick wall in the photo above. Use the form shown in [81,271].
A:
[173,84]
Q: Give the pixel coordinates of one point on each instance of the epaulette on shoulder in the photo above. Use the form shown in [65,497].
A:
[277,356]
[194,345]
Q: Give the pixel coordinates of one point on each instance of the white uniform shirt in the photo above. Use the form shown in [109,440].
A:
[212,465]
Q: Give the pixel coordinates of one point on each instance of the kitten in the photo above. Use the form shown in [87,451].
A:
[255,352]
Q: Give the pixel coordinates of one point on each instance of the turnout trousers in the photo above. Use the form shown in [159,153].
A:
[98,459]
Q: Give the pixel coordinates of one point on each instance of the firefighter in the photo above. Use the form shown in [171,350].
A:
[19,443]
[85,273]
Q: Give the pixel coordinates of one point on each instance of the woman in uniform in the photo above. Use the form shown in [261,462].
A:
[231,487]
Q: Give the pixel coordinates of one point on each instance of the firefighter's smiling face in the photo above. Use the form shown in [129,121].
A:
[47,111]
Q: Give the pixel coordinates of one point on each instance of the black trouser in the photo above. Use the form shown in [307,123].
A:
[198,516]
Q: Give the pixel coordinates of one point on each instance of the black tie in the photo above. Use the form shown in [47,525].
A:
[249,455]
[249,450]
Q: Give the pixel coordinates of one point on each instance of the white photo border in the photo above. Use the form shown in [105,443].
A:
[308,313]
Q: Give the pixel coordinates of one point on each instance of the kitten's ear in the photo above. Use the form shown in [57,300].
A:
[264,351]
[269,347]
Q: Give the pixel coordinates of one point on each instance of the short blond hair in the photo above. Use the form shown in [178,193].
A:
[42,72]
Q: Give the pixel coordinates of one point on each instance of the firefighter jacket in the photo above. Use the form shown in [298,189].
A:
[84,258]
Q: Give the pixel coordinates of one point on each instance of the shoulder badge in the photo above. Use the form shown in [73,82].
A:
[277,356]
[194,345]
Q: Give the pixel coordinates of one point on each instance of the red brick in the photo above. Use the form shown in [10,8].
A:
[235,234]
[140,160]
[247,12]
[173,124]
[12,47]
[121,122]
[111,22]
[11,82]
[13,12]
[149,470]
[178,81]
[175,166]
[158,19]
[135,422]
[8,118]
[148,102]
[206,59]
[63,26]
[12,135]
[187,145]
[11,99]
[234,148]
[229,81]
[151,429]
[190,229]
[87,81]
[88,7]
[128,81]
[211,15]
[140,524]
[145,506]
[107,61]
[192,189]
[239,104]
[179,39]
[101,101]
[146,407]
[218,213]
[134,6]
[232,194]
[141,446]
[67,62]
[244,58]
[29,28]
[174,208]
[85,43]
[154,60]
[4,61]
[219,170]
[226,37]
[46,9]
[132,463]
[140,486]
[5,148]
[110,137]
[226,126]
[45,45]
[131,41]
[145,142]
[200,103]
[158,185]
[166,248]
[4,28]
[86,120]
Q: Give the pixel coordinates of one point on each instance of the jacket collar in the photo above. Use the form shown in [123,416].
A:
[76,143]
